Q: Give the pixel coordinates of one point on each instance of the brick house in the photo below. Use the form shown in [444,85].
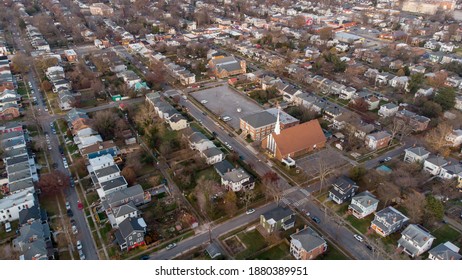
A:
[227,66]
[307,244]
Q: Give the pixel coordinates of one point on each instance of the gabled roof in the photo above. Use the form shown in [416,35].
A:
[419,151]
[278,214]
[438,161]
[299,137]
[446,251]
[414,237]
[308,239]
[125,209]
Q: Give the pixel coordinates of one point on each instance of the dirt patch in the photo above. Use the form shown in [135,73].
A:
[234,245]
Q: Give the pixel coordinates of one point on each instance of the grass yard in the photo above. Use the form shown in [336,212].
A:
[254,242]
[332,254]
[278,252]
[360,224]
[446,233]
[49,204]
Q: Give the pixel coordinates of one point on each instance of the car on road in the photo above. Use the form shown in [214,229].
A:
[308,214]
[72,183]
[74,229]
[79,205]
[204,101]
[46,109]
[369,247]
[145,257]
[358,237]
[81,255]
[170,246]
[204,113]
[250,211]
[68,205]
[214,133]
[79,245]
[387,159]
[69,213]
[316,219]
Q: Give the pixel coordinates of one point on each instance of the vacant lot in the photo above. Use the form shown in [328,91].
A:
[224,101]
[326,158]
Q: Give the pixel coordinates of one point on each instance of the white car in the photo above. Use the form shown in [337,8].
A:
[170,246]
[387,159]
[359,238]
[204,101]
[74,229]
[250,211]
[68,206]
[79,245]
[81,255]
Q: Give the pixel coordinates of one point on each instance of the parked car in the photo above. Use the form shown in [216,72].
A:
[316,219]
[7,227]
[68,205]
[387,159]
[250,211]
[369,247]
[79,205]
[69,213]
[359,238]
[74,229]
[170,246]
[81,255]
[145,257]
[79,245]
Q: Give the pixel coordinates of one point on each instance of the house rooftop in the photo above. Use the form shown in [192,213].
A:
[414,237]
[236,175]
[308,239]
[419,151]
[277,214]
[446,251]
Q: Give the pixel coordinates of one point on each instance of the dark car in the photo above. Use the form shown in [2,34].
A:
[369,247]
[72,183]
[214,133]
[69,213]
[316,219]
[145,257]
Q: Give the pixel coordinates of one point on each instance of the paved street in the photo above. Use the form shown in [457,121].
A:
[71,195]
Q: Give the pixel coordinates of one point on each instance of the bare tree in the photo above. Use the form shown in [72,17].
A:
[324,170]
[387,191]
[436,138]
[53,182]
[21,63]
[272,187]
[248,197]
[414,204]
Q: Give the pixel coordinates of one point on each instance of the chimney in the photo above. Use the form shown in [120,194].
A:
[369,202]
[297,230]
[100,146]
[394,219]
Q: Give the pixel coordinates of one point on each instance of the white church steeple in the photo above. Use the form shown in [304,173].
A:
[277,128]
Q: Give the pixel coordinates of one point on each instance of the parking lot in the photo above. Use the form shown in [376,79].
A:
[224,101]
[311,163]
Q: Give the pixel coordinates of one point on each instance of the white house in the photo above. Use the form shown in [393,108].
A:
[415,240]
[177,122]
[399,82]
[118,214]
[416,154]
[213,155]
[100,162]
[451,171]
[12,204]
[199,142]
[363,204]
[388,110]
[455,137]
[107,173]
[445,252]
[434,164]
[237,180]
[347,93]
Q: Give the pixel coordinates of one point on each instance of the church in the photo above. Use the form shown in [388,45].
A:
[295,141]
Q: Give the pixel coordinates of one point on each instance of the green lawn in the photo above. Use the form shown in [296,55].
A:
[254,242]
[49,204]
[278,252]
[332,254]
[209,174]
[446,233]
[360,224]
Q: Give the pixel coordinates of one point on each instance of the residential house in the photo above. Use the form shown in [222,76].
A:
[307,244]
[119,214]
[416,154]
[11,205]
[363,204]
[277,219]
[237,179]
[445,252]
[378,140]
[343,189]
[130,233]
[200,142]
[434,164]
[227,66]
[399,82]
[118,198]
[415,240]
[451,171]
[111,186]
[177,122]
[99,149]
[347,93]
[388,110]
[70,55]
[101,9]
[294,141]
[107,173]
[213,155]
[455,137]
[100,162]
[223,167]
[417,122]
[34,241]
[388,221]
[382,79]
